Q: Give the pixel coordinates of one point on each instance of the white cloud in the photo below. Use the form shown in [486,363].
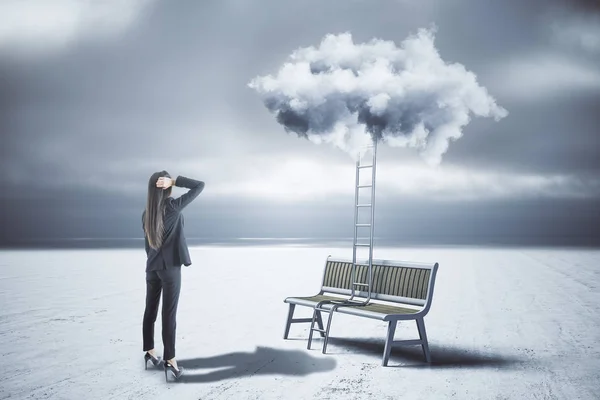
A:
[41,26]
[407,93]
[538,76]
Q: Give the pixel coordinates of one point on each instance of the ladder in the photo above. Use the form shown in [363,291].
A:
[358,243]
[364,242]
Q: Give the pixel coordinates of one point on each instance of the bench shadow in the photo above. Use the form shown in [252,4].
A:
[263,361]
[441,356]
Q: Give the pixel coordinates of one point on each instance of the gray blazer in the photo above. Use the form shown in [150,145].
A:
[174,250]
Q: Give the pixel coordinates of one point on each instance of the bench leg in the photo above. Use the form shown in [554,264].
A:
[288,323]
[320,323]
[388,342]
[290,320]
[423,337]
[327,331]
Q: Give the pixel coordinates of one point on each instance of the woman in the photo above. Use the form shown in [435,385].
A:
[167,250]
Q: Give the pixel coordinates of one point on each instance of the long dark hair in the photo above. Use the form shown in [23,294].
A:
[155,210]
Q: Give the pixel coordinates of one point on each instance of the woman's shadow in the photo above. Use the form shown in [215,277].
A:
[264,361]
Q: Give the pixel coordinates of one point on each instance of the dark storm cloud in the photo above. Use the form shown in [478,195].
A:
[565,141]
[172,88]
[583,5]
[188,64]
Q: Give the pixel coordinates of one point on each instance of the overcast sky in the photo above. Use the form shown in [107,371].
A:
[96,96]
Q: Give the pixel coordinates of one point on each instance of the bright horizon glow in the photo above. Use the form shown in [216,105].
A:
[301,179]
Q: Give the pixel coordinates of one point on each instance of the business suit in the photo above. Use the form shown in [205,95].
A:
[163,268]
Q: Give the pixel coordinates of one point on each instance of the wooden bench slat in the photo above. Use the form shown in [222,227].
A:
[376,308]
[408,282]
[383,311]
[309,300]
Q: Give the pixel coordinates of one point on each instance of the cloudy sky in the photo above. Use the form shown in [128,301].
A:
[95,96]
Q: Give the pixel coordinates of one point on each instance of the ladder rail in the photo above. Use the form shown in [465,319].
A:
[370,225]
[355,226]
[373,171]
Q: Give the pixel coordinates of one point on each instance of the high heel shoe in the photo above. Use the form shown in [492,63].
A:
[148,357]
[176,373]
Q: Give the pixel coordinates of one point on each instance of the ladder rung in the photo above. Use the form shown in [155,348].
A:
[363,244]
[364,186]
[360,284]
[365,166]
[363,225]
[361,265]
[363,205]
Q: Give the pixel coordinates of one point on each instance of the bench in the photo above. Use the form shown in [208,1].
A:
[400,291]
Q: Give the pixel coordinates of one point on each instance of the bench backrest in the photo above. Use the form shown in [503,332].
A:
[397,281]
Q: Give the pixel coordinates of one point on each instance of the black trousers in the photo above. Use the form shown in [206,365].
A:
[169,281]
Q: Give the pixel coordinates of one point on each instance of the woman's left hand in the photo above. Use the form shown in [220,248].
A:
[164,182]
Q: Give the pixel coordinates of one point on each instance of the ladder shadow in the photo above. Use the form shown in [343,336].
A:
[263,361]
[441,356]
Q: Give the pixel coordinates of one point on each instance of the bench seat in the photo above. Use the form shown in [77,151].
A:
[380,311]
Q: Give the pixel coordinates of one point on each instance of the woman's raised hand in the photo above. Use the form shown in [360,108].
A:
[164,182]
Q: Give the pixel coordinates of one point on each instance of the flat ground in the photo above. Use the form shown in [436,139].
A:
[505,324]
